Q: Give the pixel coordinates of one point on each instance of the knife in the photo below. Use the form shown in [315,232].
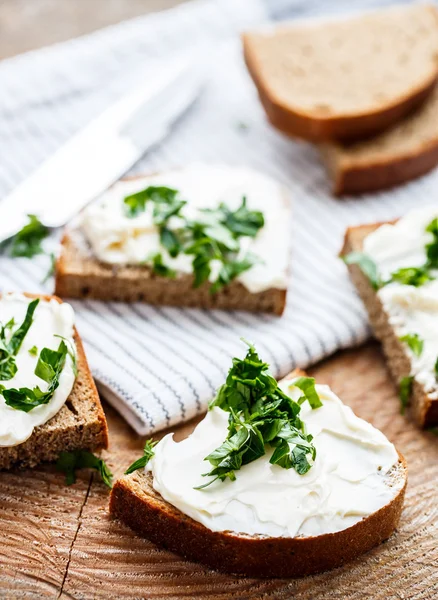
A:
[104,150]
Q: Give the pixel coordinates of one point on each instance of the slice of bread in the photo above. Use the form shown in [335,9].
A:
[406,151]
[423,409]
[80,275]
[136,503]
[345,79]
[80,424]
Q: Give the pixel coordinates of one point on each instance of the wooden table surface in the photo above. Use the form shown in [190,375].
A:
[59,542]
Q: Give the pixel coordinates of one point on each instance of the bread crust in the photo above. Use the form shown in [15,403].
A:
[350,178]
[79,424]
[422,409]
[317,128]
[135,502]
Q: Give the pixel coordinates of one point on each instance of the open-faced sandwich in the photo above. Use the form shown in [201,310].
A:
[394,267]
[48,401]
[278,480]
[206,236]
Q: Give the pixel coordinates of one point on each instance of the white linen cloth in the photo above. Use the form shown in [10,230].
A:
[159,366]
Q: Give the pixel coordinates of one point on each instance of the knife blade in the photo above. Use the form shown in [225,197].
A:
[104,150]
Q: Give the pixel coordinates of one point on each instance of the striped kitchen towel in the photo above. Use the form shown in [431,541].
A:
[160,366]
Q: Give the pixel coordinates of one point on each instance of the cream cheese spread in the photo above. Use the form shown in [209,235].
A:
[118,239]
[348,481]
[411,310]
[50,318]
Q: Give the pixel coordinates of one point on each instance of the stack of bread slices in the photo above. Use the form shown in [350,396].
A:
[363,88]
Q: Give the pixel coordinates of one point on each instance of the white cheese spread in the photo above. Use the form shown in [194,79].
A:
[347,482]
[411,310]
[117,239]
[50,318]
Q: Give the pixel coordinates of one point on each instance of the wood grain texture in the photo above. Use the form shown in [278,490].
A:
[59,542]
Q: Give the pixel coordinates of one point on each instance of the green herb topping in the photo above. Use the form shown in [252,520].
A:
[367,266]
[49,366]
[405,388]
[261,415]
[415,276]
[10,342]
[140,463]
[69,462]
[33,351]
[212,237]
[414,342]
[27,242]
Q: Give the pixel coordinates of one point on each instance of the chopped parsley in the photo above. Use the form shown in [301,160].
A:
[33,351]
[212,237]
[261,415]
[414,342]
[69,462]
[415,276]
[405,388]
[10,342]
[27,242]
[366,265]
[160,268]
[140,463]
[49,366]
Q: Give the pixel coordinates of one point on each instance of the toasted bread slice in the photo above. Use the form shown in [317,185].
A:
[423,409]
[345,79]
[136,503]
[80,424]
[406,151]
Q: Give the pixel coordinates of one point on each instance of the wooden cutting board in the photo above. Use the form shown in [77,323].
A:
[59,542]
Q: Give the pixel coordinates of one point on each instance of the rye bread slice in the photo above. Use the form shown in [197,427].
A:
[135,502]
[422,409]
[79,274]
[346,78]
[406,151]
[80,424]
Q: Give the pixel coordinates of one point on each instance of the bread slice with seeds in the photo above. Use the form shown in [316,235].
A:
[422,408]
[79,424]
[135,502]
[347,78]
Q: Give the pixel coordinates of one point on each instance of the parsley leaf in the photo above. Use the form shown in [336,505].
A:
[432,247]
[160,268]
[49,366]
[415,276]
[242,221]
[405,388]
[69,462]
[9,348]
[414,342]
[33,351]
[161,195]
[366,265]
[140,463]
[261,415]
[27,242]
